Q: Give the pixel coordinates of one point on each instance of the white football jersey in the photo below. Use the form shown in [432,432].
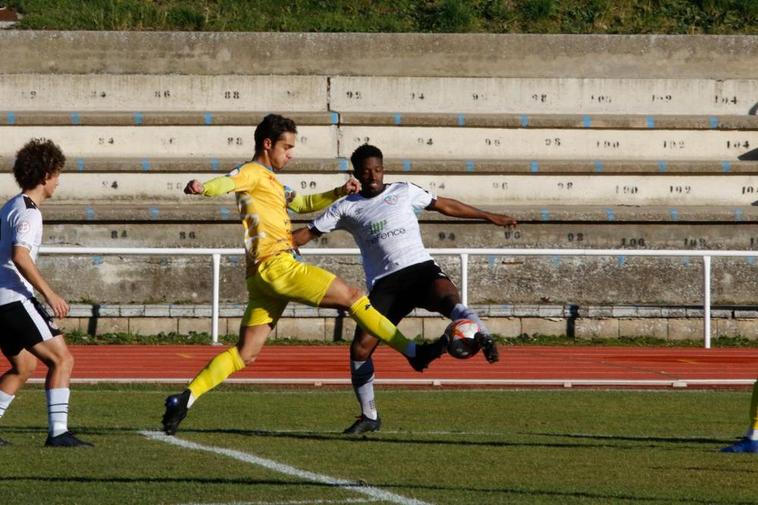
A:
[20,225]
[385,227]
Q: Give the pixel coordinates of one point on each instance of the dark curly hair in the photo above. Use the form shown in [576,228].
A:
[272,127]
[36,161]
[364,152]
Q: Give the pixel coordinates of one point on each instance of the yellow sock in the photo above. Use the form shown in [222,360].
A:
[754,407]
[375,323]
[216,371]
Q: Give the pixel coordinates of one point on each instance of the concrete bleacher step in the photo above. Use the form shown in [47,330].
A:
[216,166]
[410,142]
[393,94]
[220,210]
[738,190]
[170,92]
[158,141]
[534,95]
[632,121]
[600,234]
[105,117]
[499,143]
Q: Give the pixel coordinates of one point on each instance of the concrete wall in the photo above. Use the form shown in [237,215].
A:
[428,55]
[590,141]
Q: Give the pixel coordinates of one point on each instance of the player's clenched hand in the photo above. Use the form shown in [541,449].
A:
[503,220]
[58,304]
[352,186]
[194,187]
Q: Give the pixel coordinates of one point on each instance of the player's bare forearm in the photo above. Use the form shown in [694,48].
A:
[454,208]
[25,265]
[302,236]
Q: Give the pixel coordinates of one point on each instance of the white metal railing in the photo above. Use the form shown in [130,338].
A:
[462,253]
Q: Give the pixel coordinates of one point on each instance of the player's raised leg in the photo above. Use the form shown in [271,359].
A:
[343,296]
[748,443]
[444,298]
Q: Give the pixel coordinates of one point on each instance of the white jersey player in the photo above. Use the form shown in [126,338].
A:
[27,331]
[400,273]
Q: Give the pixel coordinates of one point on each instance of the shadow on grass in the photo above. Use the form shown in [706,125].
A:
[629,438]
[378,438]
[399,488]
[601,441]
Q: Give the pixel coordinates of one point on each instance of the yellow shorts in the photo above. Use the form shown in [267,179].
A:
[279,280]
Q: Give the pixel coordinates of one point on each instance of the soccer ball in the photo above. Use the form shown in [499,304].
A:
[461,341]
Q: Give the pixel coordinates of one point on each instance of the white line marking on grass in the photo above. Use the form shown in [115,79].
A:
[294,502]
[355,486]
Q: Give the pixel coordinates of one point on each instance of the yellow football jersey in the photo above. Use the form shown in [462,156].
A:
[262,205]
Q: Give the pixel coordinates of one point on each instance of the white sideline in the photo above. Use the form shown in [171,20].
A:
[292,502]
[355,486]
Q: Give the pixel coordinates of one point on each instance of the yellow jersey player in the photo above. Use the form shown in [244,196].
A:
[274,275]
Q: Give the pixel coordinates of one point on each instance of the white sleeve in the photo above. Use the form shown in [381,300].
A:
[420,198]
[25,227]
[329,220]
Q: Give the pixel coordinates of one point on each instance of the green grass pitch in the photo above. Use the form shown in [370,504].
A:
[436,446]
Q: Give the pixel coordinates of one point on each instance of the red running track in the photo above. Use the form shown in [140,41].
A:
[526,365]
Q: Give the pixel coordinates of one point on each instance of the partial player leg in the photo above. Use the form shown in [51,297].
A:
[263,310]
[55,354]
[215,372]
[445,299]
[748,443]
[22,367]
[362,378]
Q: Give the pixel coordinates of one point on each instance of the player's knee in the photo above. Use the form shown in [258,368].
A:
[248,357]
[362,347]
[350,296]
[25,368]
[67,362]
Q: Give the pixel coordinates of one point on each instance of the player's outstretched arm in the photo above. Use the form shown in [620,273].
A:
[26,267]
[214,187]
[302,236]
[303,204]
[455,208]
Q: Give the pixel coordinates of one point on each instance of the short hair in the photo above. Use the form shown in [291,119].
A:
[272,127]
[362,153]
[36,161]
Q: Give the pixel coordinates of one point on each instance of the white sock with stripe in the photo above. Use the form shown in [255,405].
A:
[57,410]
[5,401]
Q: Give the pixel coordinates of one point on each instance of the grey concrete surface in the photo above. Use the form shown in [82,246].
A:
[216,166]
[430,55]
[492,279]
[493,119]
[222,211]
[738,190]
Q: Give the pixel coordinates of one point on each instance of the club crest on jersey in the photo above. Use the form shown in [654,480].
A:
[390,199]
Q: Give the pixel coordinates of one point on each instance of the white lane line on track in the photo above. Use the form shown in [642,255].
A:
[347,501]
[275,466]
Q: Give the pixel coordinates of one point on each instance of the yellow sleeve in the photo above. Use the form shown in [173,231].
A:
[303,204]
[218,186]
[246,177]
